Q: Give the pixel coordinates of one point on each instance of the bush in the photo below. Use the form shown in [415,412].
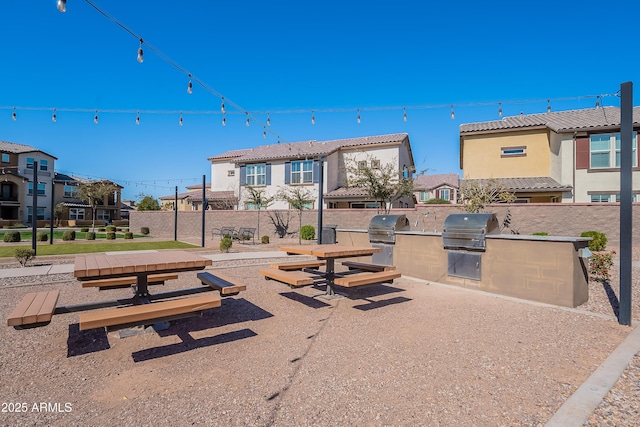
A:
[144,230]
[110,228]
[42,236]
[24,255]
[101,229]
[600,264]
[540,233]
[111,235]
[84,229]
[226,243]
[12,236]
[264,239]
[437,201]
[307,232]
[598,242]
[128,235]
[91,235]
[69,235]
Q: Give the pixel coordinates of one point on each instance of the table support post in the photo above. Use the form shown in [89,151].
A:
[330,276]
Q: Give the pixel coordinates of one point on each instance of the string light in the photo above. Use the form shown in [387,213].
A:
[264,133]
[138,118]
[247,121]
[190,86]
[548,105]
[95,118]
[180,122]
[500,109]
[404,114]
[222,108]
[358,115]
[453,113]
[268,119]
[62,5]
[14,116]
[313,118]
[140,53]
[54,118]
[598,101]
[224,120]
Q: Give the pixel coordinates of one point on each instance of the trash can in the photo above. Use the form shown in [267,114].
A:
[329,234]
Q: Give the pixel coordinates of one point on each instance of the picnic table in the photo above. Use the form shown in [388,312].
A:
[361,275]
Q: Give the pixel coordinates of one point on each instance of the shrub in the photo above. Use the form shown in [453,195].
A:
[226,243]
[42,236]
[598,242]
[128,235]
[101,229]
[110,228]
[12,236]
[437,201]
[69,235]
[144,230]
[264,239]
[84,229]
[307,232]
[600,264]
[111,235]
[540,233]
[24,255]
[91,235]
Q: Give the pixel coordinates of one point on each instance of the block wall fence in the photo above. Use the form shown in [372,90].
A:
[558,219]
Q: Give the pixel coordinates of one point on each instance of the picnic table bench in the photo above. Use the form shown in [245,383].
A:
[123,282]
[35,309]
[367,278]
[226,285]
[298,265]
[353,265]
[292,278]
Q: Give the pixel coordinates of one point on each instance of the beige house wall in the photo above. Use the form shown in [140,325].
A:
[482,155]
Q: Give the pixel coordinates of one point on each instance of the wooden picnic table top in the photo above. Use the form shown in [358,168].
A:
[331,251]
[102,265]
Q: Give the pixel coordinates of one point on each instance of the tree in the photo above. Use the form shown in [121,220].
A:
[57,213]
[475,195]
[148,203]
[259,200]
[299,198]
[94,193]
[383,183]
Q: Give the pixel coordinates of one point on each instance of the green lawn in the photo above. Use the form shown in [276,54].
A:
[25,236]
[61,248]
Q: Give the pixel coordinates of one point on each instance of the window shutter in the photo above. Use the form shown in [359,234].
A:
[451,194]
[582,153]
[287,172]
[243,175]
[316,171]
[268,173]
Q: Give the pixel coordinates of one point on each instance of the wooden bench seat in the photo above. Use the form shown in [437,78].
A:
[119,282]
[34,308]
[293,278]
[299,265]
[226,285]
[139,314]
[367,278]
[367,267]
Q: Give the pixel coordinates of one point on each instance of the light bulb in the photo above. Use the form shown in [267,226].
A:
[453,114]
[180,119]
[404,115]
[95,118]
[246,122]
[14,116]
[358,115]
[190,86]
[222,106]
[138,118]
[500,109]
[598,102]
[62,5]
[54,118]
[224,121]
[268,120]
[264,133]
[313,118]
[140,53]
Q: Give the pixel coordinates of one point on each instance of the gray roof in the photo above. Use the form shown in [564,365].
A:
[537,184]
[10,147]
[347,192]
[559,122]
[304,149]
[428,182]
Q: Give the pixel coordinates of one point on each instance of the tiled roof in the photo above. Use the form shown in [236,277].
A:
[10,147]
[347,192]
[543,183]
[561,121]
[196,196]
[304,149]
[428,182]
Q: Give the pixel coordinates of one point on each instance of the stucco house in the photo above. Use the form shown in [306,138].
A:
[17,163]
[436,186]
[191,200]
[76,211]
[270,168]
[565,156]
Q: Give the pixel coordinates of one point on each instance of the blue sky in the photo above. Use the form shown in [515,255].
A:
[289,58]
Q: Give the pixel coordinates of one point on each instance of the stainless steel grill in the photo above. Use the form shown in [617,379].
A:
[468,231]
[382,234]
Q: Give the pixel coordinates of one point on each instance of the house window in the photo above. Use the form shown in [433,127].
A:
[44,165]
[634,197]
[102,214]
[514,151]
[70,191]
[362,164]
[76,213]
[256,174]
[302,172]
[39,214]
[444,193]
[370,205]
[424,196]
[41,189]
[605,150]
[375,164]
[6,158]
[231,172]
[30,162]
[601,198]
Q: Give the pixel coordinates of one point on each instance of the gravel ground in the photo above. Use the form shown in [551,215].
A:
[410,353]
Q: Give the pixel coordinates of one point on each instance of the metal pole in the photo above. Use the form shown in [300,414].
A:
[52,214]
[204,201]
[626,191]
[175,216]
[320,191]
[34,209]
